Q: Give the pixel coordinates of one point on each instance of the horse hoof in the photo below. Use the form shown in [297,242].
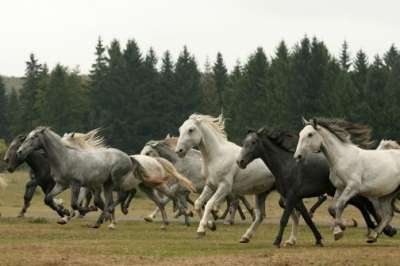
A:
[390,231]
[111,227]
[372,237]
[290,243]
[244,240]
[163,227]
[93,209]
[277,245]
[21,215]
[63,220]
[93,226]
[319,244]
[337,233]
[148,219]
[211,225]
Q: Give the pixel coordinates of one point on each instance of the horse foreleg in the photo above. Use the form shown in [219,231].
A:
[385,210]
[233,206]
[30,188]
[340,204]
[259,217]
[202,199]
[321,199]
[49,201]
[306,216]
[295,229]
[219,195]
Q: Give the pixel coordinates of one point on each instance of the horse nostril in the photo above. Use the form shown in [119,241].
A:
[180,150]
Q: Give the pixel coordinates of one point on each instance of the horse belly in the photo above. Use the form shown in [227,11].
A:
[252,183]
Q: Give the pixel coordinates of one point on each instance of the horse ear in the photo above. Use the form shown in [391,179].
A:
[168,136]
[314,123]
[250,130]
[305,122]
[72,135]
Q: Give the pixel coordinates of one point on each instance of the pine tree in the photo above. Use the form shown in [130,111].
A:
[391,57]
[167,85]
[13,113]
[345,61]
[279,83]
[28,93]
[210,102]
[221,79]
[4,125]
[98,91]
[188,91]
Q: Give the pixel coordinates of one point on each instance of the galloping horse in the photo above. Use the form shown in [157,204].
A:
[190,166]
[154,173]
[296,181]
[223,174]
[371,173]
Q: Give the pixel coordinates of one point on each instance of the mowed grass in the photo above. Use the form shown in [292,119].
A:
[38,240]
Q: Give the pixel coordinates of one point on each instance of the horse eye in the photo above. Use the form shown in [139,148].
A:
[253,142]
[310,135]
[191,130]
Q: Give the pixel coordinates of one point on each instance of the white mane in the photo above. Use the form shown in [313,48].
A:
[215,123]
[89,140]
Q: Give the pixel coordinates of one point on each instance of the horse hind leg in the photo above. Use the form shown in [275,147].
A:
[259,217]
[295,229]
[29,192]
[385,211]
[306,216]
[151,194]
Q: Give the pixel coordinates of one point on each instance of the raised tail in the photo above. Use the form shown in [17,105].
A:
[173,173]
[137,169]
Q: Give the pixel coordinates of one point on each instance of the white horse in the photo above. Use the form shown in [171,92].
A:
[371,173]
[224,176]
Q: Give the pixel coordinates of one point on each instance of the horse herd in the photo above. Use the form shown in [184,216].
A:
[329,157]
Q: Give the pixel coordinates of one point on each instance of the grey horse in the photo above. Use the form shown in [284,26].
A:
[98,170]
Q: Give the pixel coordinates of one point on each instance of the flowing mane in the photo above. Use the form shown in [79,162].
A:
[282,138]
[347,132]
[89,140]
[215,123]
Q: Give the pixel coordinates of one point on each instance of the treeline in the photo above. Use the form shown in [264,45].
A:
[134,98]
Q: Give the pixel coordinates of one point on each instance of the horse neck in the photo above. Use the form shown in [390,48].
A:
[276,159]
[210,144]
[56,151]
[35,161]
[168,154]
[332,147]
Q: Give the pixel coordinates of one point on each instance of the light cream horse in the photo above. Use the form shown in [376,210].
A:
[157,173]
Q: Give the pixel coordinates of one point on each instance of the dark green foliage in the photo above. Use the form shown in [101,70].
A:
[134,98]
[4,126]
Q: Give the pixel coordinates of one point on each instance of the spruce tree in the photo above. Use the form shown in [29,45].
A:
[4,125]
[345,61]
[210,102]
[188,91]
[221,79]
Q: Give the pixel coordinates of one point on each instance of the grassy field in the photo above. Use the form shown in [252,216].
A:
[38,240]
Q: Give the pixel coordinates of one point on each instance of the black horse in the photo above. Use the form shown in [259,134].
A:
[296,181]
[40,175]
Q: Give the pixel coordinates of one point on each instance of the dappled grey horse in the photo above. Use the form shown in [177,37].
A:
[96,169]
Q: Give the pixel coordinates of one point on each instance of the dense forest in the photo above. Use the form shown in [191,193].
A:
[134,98]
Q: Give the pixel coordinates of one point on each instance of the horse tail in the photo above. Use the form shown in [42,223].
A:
[172,172]
[137,169]
[3,182]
